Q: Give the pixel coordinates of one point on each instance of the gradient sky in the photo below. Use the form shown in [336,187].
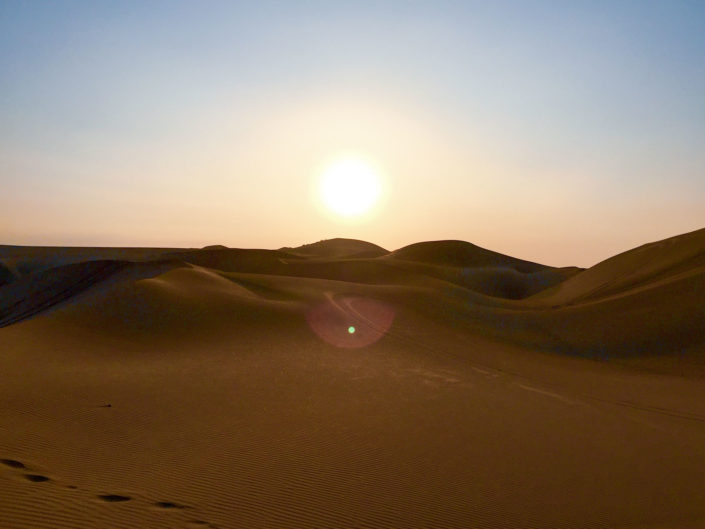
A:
[561,132]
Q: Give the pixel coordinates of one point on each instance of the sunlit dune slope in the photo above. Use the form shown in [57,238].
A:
[647,301]
[643,267]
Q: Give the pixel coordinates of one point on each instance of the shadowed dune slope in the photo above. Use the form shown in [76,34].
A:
[28,259]
[481,270]
[508,283]
[43,290]
[495,281]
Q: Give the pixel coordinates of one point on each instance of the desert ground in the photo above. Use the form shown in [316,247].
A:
[341,385]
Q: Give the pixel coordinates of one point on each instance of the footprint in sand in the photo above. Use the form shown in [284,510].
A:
[12,463]
[114,497]
[36,478]
[169,505]
[109,498]
[201,523]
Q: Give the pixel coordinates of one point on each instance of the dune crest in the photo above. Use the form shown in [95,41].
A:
[339,247]
[461,253]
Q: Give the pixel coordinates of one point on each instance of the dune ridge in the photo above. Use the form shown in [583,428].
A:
[461,253]
[339,247]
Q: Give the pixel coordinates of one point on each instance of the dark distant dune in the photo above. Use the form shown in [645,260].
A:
[339,247]
[28,259]
[215,247]
[462,254]
[83,253]
[236,259]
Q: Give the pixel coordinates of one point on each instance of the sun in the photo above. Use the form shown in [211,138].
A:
[349,187]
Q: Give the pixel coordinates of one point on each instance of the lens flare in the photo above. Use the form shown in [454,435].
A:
[331,320]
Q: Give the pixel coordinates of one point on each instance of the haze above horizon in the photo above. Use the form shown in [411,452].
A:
[557,134]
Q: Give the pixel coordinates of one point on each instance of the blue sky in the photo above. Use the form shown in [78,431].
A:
[554,131]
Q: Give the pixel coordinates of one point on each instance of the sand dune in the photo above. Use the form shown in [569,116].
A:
[644,267]
[340,385]
[647,301]
[339,248]
[461,253]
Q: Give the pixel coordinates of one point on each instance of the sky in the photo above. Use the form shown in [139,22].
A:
[559,132]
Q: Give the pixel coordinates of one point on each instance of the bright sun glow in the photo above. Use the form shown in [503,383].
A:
[349,187]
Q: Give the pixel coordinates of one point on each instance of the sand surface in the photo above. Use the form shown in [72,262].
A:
[343,386]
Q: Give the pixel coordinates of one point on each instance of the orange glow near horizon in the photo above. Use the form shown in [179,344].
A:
[253,126]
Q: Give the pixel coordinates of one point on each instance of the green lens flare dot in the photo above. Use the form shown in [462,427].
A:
[351,329]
